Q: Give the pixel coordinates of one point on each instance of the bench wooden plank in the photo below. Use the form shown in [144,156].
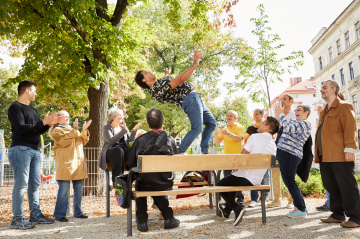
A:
[196,190]
[163,163]
[177,184]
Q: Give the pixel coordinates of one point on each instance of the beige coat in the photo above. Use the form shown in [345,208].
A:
[69,153]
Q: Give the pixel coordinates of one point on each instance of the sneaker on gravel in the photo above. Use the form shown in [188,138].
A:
[41,219]
[252,204]
[297,213]
[239,214]
[22,224]
[224,213]
[297,209]
[274,204]
[323,208]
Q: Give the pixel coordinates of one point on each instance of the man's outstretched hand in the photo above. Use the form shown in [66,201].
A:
[197,56]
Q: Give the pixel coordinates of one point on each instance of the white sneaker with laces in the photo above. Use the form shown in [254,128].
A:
[252,204]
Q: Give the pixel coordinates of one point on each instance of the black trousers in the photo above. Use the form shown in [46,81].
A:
[116,157]
[160,201]
[338,179]
[239,195]
[229,197]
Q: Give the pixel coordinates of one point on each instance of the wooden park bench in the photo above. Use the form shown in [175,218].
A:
[205,162]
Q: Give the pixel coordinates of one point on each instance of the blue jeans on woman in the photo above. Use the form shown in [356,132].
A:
[199,115]
[62,199]
[25,163]
[255,194]
[288,165]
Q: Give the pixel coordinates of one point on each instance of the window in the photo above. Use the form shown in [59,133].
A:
[295,96]
[333,77]
[351,71]
[320,63]
[330,54]
[354,98]
[347,39]
[314,95]
[342,76]
[338,45]
[358,30]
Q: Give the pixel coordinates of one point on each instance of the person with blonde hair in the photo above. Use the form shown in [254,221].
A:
[70,163]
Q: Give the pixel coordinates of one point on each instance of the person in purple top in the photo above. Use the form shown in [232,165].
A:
[182,93]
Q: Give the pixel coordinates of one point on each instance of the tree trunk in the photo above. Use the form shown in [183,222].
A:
[98,99]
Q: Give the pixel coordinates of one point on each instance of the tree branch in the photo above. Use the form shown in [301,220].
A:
[74,23]
[118,13]
[161,55]
[100,11]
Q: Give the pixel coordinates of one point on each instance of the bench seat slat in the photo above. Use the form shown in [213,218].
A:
[177,184]
[195,190]
[205,162]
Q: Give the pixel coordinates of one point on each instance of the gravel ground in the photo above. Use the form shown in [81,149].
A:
[196,222]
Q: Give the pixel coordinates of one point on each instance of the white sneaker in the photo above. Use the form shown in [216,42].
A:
[252,204]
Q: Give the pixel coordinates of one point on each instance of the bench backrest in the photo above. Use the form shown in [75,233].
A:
[202,162]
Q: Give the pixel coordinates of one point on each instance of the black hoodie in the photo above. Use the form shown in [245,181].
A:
[145,145]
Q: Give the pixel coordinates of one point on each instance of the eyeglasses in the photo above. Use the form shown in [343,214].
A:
[299,110]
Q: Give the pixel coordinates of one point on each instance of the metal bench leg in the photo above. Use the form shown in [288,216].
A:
[263,211]
[217,195]
[129,220]
[210,194]
[107,194]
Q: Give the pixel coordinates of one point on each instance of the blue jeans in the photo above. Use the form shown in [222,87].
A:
[25,163]
[199,115]
[288,165]
[62,200]
[255,194]
[327,202]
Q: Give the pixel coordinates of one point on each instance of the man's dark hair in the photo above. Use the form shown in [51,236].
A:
[23,85]
[260,111]
[273,123]
[138,78]
[155,118]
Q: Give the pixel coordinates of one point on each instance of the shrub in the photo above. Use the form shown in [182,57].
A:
[313,186]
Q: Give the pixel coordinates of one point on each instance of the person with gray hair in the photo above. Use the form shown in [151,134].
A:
[116,140]
[335,147]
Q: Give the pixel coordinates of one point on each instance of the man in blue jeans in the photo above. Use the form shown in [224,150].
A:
[183,94]
[24,157]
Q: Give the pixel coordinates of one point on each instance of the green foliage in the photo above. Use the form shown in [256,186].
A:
[265,67]
[313,186]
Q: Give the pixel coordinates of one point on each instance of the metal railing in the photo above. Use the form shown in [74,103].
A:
[94,195]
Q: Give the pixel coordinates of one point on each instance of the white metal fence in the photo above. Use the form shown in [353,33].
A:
[93,200]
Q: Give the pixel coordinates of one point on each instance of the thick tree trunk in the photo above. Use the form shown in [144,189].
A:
[98,99]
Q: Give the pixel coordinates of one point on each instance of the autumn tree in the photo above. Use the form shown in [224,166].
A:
[74,49]
[266,66]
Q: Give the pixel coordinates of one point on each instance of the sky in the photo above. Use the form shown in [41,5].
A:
[296,22]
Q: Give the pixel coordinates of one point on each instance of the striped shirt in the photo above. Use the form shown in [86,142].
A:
[294,136]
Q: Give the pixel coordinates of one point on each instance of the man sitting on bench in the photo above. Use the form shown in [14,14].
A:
[261,143]
[155,142]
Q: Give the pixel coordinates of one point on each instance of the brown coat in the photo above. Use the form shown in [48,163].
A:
[339,132]
[70,161]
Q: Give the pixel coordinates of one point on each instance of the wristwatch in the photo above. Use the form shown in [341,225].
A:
[230,134]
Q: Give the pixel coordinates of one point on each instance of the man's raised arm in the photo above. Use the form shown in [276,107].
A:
[186,75]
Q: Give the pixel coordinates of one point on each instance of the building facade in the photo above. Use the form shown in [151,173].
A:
[336,55]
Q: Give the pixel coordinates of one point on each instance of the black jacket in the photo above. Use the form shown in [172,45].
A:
[145,145]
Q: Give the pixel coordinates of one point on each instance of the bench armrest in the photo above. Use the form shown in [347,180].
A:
[273,162]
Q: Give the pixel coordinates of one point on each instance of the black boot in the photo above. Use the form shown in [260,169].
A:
[171,223]
[143,227]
